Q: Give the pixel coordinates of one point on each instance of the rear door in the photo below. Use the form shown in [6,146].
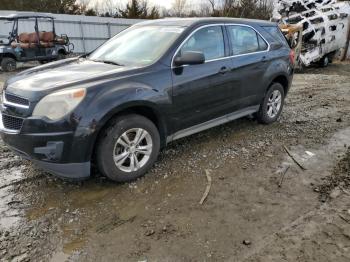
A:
[250,59]
[203,92]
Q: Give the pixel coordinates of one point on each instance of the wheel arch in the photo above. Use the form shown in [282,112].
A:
[3,55]
[61,50]
[283,80]
[144,109]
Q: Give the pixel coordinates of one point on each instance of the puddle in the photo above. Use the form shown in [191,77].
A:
[37,212]
[59,257]
[318,160]
[74,245]
[84,197]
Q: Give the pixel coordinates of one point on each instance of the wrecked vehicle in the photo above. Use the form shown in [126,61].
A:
[119,105]
[293,34]
[38,45]
[324,24]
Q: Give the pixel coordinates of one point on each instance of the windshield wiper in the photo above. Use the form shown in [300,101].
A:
[107,62]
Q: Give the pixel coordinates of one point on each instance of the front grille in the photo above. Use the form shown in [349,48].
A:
[16,99]
[11,122]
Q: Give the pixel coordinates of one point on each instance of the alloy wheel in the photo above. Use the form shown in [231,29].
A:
[274,104]
[132,150]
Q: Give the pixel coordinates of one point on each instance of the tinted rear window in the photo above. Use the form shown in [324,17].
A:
[245,40]
[276,33]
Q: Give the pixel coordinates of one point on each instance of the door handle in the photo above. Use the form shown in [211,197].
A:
[224,70]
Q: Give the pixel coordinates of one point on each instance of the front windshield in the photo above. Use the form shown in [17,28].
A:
[137,46]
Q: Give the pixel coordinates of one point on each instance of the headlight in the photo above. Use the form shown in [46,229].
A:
[59,104]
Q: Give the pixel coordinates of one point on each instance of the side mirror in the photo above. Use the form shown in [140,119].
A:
[190,58]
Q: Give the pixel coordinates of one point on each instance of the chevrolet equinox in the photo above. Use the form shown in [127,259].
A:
[151,84]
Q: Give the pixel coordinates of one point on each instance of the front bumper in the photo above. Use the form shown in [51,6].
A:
[75,171]
[56,152]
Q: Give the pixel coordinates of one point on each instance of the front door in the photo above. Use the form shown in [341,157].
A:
[203,92]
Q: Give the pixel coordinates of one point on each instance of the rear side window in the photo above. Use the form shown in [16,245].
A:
[209,40]
[262,43]
[276,33]
[245,40]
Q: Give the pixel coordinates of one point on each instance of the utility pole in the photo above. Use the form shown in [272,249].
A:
[346,48]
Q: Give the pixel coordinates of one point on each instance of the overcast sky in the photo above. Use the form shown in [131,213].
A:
[163,3]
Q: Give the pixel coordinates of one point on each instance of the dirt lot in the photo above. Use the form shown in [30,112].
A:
[246,217]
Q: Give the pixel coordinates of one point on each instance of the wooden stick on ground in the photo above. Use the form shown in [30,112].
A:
[345,219]
[282,176]
[207,189]
[292,157]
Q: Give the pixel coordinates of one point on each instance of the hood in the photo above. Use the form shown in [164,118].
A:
[61,74]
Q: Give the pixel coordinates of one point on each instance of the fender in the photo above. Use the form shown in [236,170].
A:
[61,48]
[278,68]
[7,52]
[116,100]
[129,105]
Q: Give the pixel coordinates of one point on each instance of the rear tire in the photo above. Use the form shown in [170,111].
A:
[8,64]
[128,148]
[324,62]
[272,105]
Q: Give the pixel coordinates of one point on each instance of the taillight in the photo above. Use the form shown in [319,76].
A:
[291,56]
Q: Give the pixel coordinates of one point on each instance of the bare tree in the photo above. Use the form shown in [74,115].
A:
[213,5]
[138,9]
[109,7]
[241,8]
[179,7]
[204,10]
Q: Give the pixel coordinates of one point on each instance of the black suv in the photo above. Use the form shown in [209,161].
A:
[153,83]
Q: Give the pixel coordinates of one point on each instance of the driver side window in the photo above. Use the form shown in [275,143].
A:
[209,40]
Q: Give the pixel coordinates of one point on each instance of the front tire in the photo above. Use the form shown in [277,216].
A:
[8,64]
[272,105]
[61,56]
[324,62]
[128,148]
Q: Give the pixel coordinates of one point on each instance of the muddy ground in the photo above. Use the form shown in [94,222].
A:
[261,207]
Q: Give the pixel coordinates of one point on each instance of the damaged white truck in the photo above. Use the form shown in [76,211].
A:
[324,26]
